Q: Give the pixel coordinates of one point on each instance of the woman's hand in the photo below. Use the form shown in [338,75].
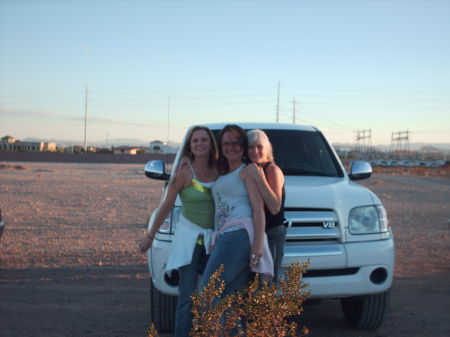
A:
[145,244]
[256,253]
[255,171]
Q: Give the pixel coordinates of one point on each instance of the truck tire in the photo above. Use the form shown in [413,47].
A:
[162,310]
[365,312]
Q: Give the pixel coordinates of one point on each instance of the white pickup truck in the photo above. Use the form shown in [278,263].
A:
[339,225]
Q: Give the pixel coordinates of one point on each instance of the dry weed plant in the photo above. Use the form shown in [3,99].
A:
[151,331]
[262,310]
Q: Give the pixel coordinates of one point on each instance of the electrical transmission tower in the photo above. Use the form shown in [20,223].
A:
[399,143]
[364,142]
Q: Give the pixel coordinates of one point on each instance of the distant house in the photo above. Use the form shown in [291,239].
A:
[50,147]
[156,147]
[159,147]
[8,139]
[125,150]
[9,143]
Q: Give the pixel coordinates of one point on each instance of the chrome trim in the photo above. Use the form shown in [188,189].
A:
[360,170]
[156,169]
[310,251]
[306,233]
[309,216]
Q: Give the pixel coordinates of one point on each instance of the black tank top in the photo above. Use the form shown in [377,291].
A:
[274,220]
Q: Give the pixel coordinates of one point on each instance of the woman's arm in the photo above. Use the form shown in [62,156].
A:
[259,220]
[176,184]
[270,185]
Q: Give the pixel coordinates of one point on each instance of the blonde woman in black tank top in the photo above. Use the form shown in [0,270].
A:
[270,181]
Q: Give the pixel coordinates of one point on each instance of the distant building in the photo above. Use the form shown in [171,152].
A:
[9,143]
[125,150]
[8,139]
[50,147]
[159,147]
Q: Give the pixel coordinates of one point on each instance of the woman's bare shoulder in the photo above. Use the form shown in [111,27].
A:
[182,177]
[272,167]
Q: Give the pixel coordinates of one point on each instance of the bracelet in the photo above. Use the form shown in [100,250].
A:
[150,237]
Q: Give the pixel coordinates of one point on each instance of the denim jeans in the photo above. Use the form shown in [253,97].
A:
[277,237]
[232,249]
[189,276]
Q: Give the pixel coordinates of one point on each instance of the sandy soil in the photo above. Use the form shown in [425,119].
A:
[69,266]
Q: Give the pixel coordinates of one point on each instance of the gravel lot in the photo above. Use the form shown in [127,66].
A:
[69,264]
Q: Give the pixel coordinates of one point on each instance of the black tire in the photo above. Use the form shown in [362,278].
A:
[162,310]
[365,312]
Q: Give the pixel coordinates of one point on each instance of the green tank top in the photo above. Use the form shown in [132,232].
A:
[198,205]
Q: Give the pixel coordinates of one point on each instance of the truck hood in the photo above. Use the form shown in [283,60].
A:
[326,193]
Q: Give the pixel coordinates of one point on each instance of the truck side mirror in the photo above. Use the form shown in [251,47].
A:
[156,169]
[360,170]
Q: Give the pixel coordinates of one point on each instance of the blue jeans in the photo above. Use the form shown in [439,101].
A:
[277,237]
[189,276]
[232,249]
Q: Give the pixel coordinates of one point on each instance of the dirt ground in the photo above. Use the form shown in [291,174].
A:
[69,264]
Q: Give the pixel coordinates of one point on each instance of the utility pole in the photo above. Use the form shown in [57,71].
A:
[85,119]
[293,111]
[278,102]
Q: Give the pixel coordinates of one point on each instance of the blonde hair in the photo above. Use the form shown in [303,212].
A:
[260,137]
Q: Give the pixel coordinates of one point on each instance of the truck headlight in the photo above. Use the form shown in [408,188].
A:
[368,220]
[175,217]
[169,224]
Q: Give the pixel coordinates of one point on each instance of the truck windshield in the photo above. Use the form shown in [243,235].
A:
[302,153]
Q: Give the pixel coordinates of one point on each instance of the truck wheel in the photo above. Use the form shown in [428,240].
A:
[162,310]
[365,312]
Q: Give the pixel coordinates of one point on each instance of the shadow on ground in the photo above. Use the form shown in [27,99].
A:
[82,301]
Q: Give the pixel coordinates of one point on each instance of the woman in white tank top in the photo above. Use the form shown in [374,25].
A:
[240,240]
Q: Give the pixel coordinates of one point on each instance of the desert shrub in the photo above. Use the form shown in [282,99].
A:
[151,331]
[264,309]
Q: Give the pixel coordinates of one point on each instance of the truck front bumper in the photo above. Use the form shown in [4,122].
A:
[345,269]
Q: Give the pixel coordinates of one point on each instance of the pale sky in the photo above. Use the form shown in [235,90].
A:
[349,66]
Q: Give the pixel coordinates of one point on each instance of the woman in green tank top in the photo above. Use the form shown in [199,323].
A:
[192,182]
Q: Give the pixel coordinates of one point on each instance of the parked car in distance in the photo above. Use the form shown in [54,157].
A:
[382,163]
[337,224]
[393,163]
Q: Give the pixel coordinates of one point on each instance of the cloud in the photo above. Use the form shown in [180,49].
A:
[87,49]
[11,112]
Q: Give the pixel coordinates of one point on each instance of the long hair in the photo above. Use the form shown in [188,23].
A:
[260,137]
[239,133]
[187,152]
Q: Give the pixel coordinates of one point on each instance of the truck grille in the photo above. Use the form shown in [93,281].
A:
[311,225]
